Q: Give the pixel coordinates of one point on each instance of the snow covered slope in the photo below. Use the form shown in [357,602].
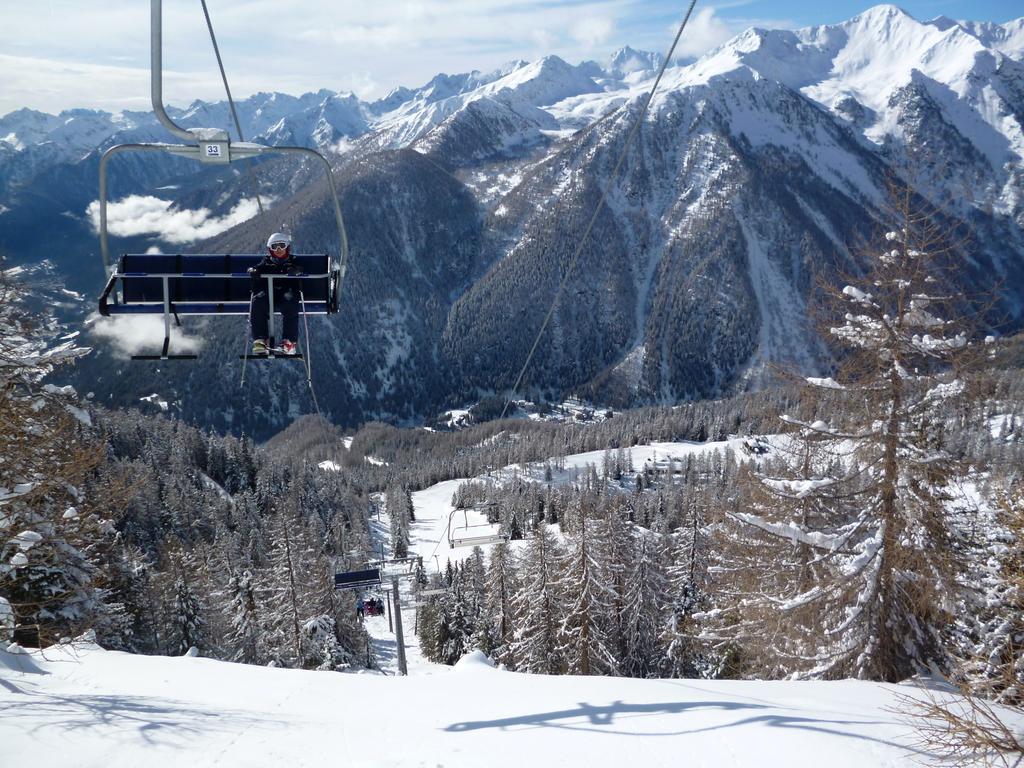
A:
[428,534]
[88,707]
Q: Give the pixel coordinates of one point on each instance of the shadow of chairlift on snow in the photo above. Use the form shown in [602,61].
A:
[597,718]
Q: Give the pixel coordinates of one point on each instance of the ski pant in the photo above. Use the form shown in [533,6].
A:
[286,302]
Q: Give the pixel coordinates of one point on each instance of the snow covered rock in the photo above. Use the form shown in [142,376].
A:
[474,661]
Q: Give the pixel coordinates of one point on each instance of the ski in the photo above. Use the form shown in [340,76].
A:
[273,353]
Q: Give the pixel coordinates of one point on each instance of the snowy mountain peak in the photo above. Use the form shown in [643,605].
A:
[25,127]
[886,25]
[943,23]
[1007,39]
[866,58]
[884,15]
[510,66]
[547,81]
[627,60]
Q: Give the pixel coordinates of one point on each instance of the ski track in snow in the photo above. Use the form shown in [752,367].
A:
[428,534]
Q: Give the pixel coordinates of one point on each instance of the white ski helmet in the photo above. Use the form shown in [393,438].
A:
[279,237]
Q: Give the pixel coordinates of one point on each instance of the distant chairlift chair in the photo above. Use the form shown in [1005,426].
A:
[456,540]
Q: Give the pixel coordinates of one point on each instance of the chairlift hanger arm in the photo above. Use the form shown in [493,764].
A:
[192,151]
[157,68]
[200,139]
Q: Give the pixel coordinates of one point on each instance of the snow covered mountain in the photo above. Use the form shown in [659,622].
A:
[760,167]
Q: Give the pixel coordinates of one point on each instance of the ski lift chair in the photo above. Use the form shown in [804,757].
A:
[363,579]
[456,540]
[207,284]
[202,284]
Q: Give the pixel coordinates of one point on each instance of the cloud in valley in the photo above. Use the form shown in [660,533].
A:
[147,215]
[140,334]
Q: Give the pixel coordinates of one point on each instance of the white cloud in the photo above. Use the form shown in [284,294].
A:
[704,31]
[140,334]
[593,31]
[542,39]
[362,84]
[343,147]
[148,215]
[51,86]
[384,36]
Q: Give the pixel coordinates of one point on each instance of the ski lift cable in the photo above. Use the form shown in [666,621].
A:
[231,103]
[434,551]
[600,207]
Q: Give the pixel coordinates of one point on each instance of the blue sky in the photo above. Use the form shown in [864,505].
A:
[58,54]
[809,14]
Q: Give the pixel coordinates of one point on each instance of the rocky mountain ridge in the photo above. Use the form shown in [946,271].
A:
[759,168]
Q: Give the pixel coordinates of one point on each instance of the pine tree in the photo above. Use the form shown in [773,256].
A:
[452,629]
[645,587]
[867,586]
[495,631]
[125,575]
[430,631]
[399,506]
[284,601]
[676,638]
[620,560]
[473,584]
[991,642]
[47,520]
[245,619]
[585,634]
[188,624]
[322,651]
[537,606]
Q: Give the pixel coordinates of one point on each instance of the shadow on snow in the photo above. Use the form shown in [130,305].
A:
[605,716]
[155,720]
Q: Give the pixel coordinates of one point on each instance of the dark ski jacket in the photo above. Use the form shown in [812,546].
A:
[271,266]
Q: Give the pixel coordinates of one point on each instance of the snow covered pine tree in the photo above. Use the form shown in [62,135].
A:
[848,524]
[47,587]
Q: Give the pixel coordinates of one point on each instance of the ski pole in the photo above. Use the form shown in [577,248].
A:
[245,342]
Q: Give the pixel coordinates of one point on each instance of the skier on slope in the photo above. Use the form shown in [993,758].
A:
[278,261]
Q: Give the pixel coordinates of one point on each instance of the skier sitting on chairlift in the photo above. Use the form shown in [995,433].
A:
[278,261]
